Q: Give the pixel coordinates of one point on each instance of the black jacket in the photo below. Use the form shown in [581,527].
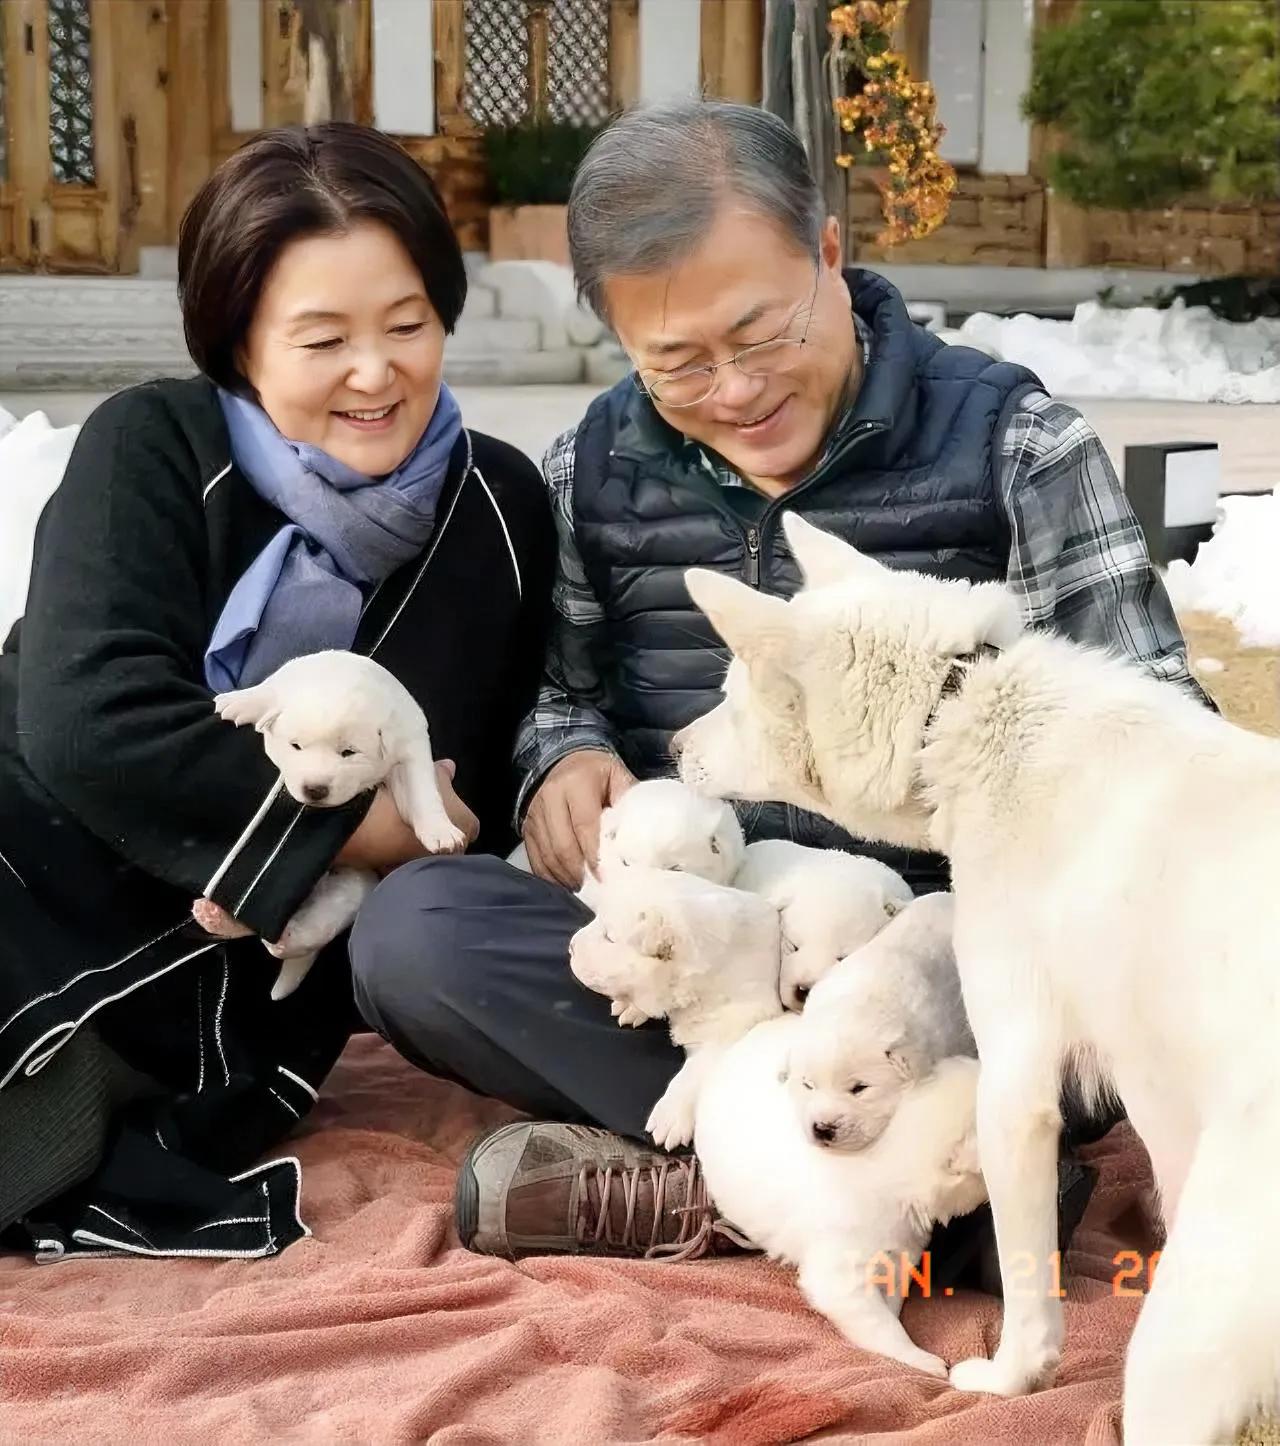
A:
[123,797]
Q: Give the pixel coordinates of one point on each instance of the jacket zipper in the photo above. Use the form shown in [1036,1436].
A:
[755,534]
[753,556]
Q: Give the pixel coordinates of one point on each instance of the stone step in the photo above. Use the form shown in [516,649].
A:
[58,370]
[57,301]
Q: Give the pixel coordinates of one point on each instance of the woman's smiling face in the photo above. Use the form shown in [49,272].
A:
[345,350]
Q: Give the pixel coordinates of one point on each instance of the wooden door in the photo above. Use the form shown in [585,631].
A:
[59,182]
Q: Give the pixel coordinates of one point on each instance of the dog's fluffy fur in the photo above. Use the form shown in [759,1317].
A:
[853,1223]
[876,1024]
[336,725]
[830,903]
[701,955]
[1114,848]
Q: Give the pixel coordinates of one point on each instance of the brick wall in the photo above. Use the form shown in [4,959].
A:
[993,221]
[1210,241]
[456,164]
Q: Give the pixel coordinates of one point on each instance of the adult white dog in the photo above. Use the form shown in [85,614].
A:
[876,1024]
[336,725]
[705,957]
[830,903]
[1115,848]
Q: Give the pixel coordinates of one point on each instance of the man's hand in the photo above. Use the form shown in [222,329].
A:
[562,825]
[384,841]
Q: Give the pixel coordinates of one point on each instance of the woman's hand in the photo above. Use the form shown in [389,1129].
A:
[384,841]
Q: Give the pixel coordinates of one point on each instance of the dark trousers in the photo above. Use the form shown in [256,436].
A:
[463,965]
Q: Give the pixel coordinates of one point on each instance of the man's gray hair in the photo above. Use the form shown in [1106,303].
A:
[650,187]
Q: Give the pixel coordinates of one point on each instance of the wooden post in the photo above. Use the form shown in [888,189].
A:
[1067,238]
[191,117]
[731,46]
[330,37]
[624,53]
[539,23]
[449,23]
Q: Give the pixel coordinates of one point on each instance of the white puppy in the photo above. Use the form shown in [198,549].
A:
[703,956]
[337,724]
[661,823]
[877,1024]
[854,1224]
[831,903]
[1114,848]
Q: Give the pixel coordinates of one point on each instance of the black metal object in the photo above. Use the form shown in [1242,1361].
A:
[1173,489]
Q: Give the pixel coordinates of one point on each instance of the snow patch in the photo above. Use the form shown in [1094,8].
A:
[1234,574]
[1180,354]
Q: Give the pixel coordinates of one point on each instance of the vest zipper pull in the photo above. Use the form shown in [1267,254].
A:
[753,556]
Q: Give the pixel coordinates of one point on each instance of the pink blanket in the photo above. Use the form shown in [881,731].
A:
[381,1328]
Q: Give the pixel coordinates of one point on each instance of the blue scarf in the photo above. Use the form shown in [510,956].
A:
[347,532]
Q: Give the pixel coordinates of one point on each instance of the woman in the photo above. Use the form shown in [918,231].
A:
[313,488]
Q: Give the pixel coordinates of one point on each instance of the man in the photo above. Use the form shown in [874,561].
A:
[766,378]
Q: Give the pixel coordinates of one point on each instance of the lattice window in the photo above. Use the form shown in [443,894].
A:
[4,123]
[71,93]
[578,61]
[497,50]
[498,63]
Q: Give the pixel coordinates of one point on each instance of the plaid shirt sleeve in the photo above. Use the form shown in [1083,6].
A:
[565,717]
[1078,561]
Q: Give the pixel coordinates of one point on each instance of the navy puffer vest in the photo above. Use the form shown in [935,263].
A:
[911,479]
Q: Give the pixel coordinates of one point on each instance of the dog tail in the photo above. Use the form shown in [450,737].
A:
[1205,1355]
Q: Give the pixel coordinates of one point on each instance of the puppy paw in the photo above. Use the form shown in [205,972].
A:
[439,836]
[627,1015]
[215,920]
[671,1122]
[242,706]
[996,1377]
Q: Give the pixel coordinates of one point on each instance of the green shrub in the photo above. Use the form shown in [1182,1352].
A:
[1157,99]
[532,164]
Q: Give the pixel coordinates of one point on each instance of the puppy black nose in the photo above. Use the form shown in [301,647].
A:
[315,792]
[824,1133]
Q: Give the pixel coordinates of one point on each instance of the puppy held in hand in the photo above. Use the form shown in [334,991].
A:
[661,824]
[337,725]
[700,955]
[830,902]
[878,1023]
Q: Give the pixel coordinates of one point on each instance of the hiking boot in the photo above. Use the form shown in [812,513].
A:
[552,1189]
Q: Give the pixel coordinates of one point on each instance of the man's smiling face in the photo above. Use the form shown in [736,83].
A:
[748,282]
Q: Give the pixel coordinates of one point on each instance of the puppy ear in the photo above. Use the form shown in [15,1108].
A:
[754,624]
[267,721]
[905,1061]
[655,937]
[823,557]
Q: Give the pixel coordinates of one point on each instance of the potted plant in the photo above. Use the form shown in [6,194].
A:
[531,167]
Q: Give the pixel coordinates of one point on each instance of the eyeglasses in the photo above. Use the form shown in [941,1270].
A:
[764,359]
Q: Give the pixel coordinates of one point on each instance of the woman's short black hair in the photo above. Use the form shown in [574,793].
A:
[302,181]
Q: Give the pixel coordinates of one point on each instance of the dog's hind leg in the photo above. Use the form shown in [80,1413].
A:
[841,1283]
[1018,1127]
[1205,1355]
